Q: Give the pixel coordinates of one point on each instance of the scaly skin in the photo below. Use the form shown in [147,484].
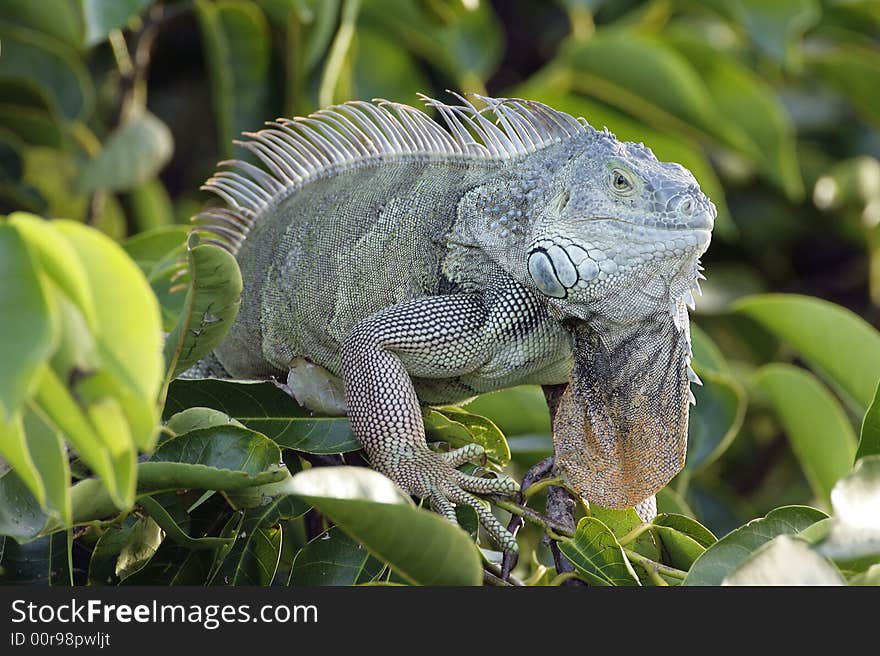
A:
[408,265]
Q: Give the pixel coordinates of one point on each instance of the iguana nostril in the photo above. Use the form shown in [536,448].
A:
[687,206]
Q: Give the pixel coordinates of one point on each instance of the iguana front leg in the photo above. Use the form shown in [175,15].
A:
[434,337]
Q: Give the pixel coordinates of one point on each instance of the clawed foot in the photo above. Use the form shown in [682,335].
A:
[434,476]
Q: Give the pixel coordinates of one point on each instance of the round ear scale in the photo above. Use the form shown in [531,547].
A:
[558,266]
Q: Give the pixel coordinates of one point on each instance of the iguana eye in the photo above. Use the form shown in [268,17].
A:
[620,181]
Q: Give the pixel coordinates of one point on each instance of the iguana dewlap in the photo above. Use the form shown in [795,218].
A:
[389,263]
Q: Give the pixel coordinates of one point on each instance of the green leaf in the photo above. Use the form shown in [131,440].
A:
[210,307]
[642,76]
[715,420]
[20,514]
[27,324]
[130,338]
[41,562]
[707,356]
[834,341]
[29,113]
[222,447]
[516,411]
[687,526]
[869,439]
[621,522]
[55,68]
[333,558]
[459,427]
[195,418]
[266,408]
[102,16]
[236,40]
[59,19]
[401,72]
[597,556]
[817,427]
[102,563]
[871,577]
[46,448]
[745,100]
[173,530]
[420,546]
[733,549]
[466,43]
[671,502]
[851,69]
[855,529]
[253,557]
[59,260]
[15,452]
[151,206]
[132,155]
[142,544]
[785,561]
[776,26]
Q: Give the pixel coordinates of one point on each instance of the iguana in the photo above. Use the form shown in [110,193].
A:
[390,263]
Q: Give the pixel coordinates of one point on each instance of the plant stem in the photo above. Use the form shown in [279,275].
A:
[633,534]
[559,579]
[542,485]
[653,566]
[553,529]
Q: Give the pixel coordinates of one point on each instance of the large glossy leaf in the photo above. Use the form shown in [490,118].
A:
[210,307]
[102,16]
[27,325]
[55,68]
[420,546]
[265,408]
[817,427]
[236,40]
[869,439]
[733,549]
[715,420]
[333,558]
[785,560]
[132,155]
[459,427]
[855,500]
[597,556]
[836,342]
[221,447]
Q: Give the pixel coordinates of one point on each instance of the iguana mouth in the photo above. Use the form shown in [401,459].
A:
[702,222]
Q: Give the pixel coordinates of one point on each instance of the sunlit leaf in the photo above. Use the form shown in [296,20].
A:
[855,527]
[836,342]
[421,546]
[597,556]
[723,557]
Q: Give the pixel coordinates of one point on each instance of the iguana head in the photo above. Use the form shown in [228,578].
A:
[620,233]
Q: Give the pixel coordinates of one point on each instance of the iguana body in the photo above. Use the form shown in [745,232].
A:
[389,263]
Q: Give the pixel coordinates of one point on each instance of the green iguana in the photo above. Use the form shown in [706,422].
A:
[389,263]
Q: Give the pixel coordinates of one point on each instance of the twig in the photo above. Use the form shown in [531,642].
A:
[653,566]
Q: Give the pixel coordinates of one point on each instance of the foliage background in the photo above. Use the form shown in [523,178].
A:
[113,112]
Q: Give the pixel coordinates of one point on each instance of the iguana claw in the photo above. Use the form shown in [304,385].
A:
[433,476]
